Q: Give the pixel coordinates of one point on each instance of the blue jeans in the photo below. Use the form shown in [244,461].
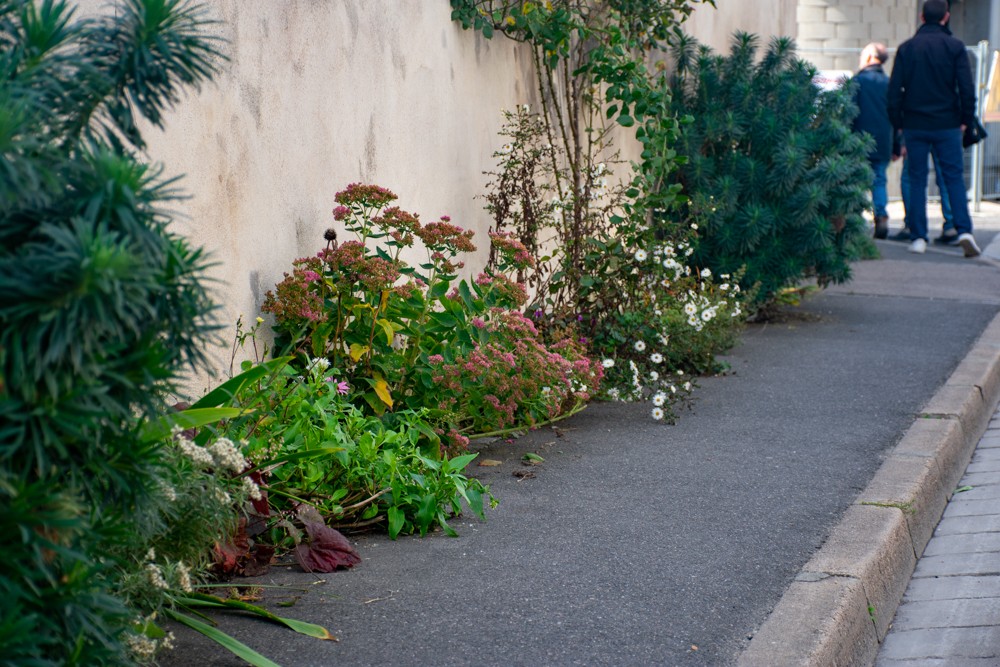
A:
[947,148]
[880,196]
[904,188]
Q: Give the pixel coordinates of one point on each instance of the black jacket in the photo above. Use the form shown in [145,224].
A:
[870,95]
[931,84]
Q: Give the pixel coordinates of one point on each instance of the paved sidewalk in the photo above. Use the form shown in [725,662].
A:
[950,614]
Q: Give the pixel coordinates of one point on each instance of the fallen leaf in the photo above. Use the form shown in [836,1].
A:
[490,463]
[523,474]
[327,549]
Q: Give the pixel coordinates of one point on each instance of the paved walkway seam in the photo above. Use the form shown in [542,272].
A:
[838,610]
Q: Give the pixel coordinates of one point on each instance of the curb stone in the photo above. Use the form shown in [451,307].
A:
[838,609]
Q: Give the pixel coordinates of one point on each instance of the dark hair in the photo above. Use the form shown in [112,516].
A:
[934,10]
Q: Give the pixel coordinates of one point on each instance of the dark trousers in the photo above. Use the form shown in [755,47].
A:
[947,147]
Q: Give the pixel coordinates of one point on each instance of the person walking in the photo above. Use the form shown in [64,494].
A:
[932,99]
[948,237]
[870,95]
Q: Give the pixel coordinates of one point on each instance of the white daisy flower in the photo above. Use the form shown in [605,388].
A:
[640,255]
[690,308]
[639,346]
[706,272]
[657,414]
[659,399]
[608,363]
[656,358]
[653,376]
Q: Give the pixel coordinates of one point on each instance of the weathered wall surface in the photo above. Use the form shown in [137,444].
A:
[317,94]
[764,18]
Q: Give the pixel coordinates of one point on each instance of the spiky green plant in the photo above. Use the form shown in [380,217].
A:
[775,177]
[101,308]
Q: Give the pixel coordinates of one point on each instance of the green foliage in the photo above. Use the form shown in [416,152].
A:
[643,307]
[101,308]
[396,334]
[775,178]
[306,443]
[600,249]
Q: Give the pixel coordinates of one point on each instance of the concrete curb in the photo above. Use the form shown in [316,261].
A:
[838,609]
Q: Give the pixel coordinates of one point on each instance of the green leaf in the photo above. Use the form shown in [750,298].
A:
[387,329]
[396,521]
[626,121]
[533,457]
[426,512]
[185,419]
[226,391]
[475,500]
[460,462]
[237,648]
[301,627]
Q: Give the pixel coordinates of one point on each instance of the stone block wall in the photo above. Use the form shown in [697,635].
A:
[831,33]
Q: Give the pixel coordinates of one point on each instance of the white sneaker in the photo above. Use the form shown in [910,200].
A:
[918,246]
[968,243]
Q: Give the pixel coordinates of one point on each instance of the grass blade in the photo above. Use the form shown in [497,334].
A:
[229,643]
[303,628]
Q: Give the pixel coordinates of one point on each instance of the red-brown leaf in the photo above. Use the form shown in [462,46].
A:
[326,550]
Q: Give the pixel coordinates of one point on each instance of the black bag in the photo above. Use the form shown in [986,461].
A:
[973,133]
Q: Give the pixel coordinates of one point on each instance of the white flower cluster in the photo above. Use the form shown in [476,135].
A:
[144,648]
[155,575]
[227,456]
[251,489]
[184,578]
[317,367]
[198,455]
[600,181]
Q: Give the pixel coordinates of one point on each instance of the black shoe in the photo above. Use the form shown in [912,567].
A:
[947,239]
[902,235]
[881,226]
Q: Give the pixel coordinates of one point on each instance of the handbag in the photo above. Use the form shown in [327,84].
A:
[974,133]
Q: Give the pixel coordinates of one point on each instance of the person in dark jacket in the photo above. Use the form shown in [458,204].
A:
[932,99]
[870,94]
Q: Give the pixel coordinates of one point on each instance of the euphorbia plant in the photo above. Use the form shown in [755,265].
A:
[391,328]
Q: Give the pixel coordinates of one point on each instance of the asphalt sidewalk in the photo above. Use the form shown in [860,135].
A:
[777,523]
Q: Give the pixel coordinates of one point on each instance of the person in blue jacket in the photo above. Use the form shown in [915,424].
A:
[871,95]
[932,99]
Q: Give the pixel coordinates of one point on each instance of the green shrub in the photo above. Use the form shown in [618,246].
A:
[775,178]
[641,305]
[392,331]
[305,443]
[101,308]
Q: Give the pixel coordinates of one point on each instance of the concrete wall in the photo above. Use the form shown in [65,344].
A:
[764,18]
[317,94]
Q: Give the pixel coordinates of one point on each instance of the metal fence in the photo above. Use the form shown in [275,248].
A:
[982,169]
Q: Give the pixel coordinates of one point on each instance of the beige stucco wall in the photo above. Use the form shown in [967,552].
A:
[317,94]
[764,18]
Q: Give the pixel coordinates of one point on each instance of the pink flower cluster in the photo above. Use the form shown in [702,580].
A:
[296,300]
[512,252]
[514,379]
[359,194]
